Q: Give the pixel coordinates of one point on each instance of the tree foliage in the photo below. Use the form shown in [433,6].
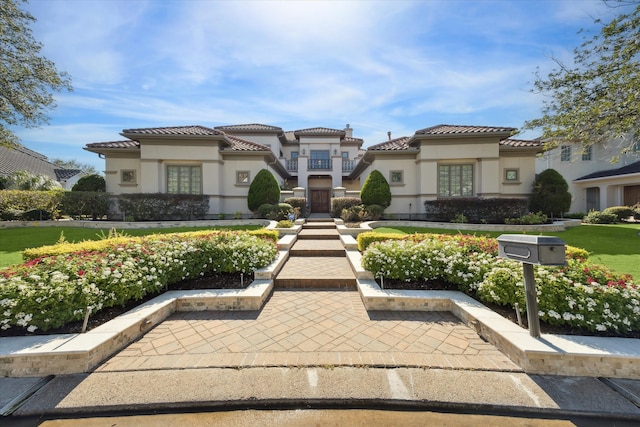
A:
[550,194]
[92,182]
[597,98]
[264,189]
[26,78]
[376,190]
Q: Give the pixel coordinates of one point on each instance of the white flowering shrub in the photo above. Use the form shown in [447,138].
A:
[50,291]
[579,294]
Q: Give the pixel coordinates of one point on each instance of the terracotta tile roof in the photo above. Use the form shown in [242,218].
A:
[115,144]
[461,130]
[13,159]
[237,144]
[624,170]
[319,131]
[395,144]
[352,139]
[253,127]
[174,131]
[517,143]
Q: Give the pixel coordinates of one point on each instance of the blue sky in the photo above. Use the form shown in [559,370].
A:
[380,66]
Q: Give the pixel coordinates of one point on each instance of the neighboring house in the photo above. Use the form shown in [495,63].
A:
[595,183]
[14,159]
[438,162]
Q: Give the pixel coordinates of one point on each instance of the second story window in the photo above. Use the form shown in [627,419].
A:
[320,159]
[565,153]
[587,154]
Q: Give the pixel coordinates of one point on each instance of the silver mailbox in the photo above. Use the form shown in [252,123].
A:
[543,250]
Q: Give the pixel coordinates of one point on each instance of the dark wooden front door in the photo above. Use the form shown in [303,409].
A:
[320,201]
[631,195]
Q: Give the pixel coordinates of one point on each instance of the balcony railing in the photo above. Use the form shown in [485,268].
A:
[348,165]
[324,164]
[292,164]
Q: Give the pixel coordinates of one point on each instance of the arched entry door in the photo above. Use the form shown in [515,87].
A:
[320,200]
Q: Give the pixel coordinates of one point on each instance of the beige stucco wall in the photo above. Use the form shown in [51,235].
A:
[113,169]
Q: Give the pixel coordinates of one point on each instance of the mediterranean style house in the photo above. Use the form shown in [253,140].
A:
[595,182]
[443,161]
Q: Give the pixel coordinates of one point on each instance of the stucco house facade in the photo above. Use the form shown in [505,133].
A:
[442,161]
[595,182]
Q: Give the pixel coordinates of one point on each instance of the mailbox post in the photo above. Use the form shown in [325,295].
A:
[530,250]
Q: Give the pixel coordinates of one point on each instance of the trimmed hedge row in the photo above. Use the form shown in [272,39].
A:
[475,210]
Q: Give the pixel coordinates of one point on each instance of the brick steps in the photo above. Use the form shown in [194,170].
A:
[317,260]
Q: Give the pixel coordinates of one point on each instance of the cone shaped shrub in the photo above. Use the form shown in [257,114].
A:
[264,189]
[376,190]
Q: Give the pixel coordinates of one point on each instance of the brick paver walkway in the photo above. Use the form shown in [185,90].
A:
[310,328]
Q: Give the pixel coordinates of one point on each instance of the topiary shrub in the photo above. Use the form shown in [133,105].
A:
[597,217]
[263,189]
[299,203]
[78,204]
[376,190]
[265,210]
[550,194]
[283,210]
[622,212]
[338,204]
[163,207]
[374,212]
[92,182]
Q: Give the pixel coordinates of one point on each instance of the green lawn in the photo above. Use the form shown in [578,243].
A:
[616,246]
[14,240]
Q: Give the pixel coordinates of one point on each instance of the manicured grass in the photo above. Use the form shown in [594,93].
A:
[616,246]
[14,240]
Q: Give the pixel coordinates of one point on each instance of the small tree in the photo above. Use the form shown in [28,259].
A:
[550,194]
[264,189]
[376,190]
[90,183]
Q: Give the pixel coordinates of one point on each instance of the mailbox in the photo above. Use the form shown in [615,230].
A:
[543,250]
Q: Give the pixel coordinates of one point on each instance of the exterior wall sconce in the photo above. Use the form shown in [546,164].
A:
[304,151]
[335,151]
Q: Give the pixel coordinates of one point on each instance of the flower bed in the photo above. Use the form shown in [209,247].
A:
[579,294]
[51,290]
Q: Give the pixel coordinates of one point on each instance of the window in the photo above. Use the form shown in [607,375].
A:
[511,175]
[128,176]
[455,180]
[320,159]
[184,179]
[395,177]
[345,155]
[587,154]
[294,154]
[565,153]
[242,177]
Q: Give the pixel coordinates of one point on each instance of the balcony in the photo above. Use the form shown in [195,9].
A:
[348,165]
[292,165]
[319,164]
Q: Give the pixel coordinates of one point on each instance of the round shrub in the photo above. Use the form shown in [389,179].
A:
[92,182]
[265,210]
[622,212]
[597,217]
[550,194]
[374,212]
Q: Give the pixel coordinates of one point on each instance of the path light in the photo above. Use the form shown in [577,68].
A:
[529,250]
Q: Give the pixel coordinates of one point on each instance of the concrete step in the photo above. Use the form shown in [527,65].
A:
[315,248]
[316,273]
[318,234]
[318,225]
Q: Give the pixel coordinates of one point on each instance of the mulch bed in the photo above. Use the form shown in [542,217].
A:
[232,281]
